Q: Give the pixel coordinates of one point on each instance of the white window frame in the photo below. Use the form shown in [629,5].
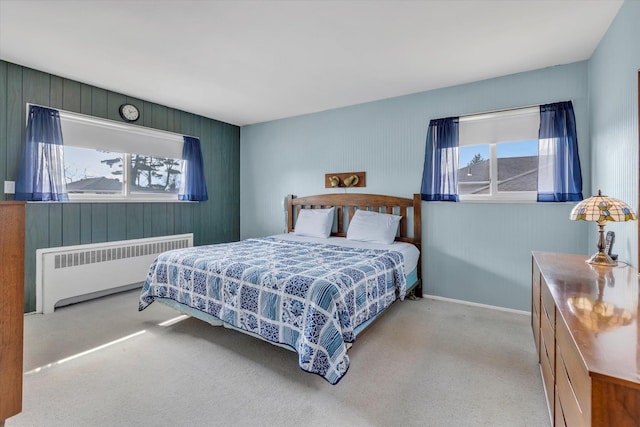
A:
[492,129]
[132,138]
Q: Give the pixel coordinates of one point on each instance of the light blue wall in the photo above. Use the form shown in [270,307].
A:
[613,90]
[474,252]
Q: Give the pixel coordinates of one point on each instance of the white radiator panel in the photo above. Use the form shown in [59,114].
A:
[69,274]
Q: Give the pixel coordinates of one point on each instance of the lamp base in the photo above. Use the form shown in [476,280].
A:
[602,258]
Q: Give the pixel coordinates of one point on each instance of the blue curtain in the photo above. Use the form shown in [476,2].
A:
[440,173]
[192,185]
[41,172]
[559,174]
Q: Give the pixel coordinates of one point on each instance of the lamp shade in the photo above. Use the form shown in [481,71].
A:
[602,209]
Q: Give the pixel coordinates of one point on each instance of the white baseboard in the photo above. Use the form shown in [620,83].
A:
[475,304]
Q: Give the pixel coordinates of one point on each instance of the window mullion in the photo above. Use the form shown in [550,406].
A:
[493,169]
[126,174]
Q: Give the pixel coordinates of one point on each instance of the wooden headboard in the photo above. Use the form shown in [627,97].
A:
[346,205]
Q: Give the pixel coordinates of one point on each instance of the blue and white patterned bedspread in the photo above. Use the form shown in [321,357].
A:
[304,295]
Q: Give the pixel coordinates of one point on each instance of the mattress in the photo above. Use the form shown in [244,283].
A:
[410,253]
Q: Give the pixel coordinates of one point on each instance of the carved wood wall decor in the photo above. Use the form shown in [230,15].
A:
[345,180]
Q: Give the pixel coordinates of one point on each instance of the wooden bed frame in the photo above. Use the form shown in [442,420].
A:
[347,204]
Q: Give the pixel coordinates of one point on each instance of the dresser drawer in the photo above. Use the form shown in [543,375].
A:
[548,377]
[535,284]
[548,304]
[559,420]
[572,379]
[572,412]
[535,304]
[535,320]
[548,335]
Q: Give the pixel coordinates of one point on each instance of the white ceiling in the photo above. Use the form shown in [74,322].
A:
[246,62]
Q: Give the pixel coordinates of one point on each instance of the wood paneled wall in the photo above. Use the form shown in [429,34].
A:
[63,224]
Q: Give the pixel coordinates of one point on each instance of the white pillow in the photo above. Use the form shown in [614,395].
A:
[368,226]
[314,222]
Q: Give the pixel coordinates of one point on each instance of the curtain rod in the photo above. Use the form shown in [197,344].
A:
[476,116]
[504,110]
[88,116]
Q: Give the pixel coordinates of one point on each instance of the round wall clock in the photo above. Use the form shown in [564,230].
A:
[129,112]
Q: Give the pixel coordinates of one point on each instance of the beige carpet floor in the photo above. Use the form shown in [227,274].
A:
[424,363]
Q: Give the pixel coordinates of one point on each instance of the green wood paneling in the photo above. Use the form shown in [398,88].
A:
[178,213]
[116,226]
[99,222]
[85,223]
[55,92]
[145,115]
[35,87]
[64,224]
[134,220]
[36,236]
[85,99]
[72,96]
[170,220]
[159,116]
[173,124]
[187,127]
[159,220]
[55,224]
[15,119]
[98,102]
[183,219]
[147,218]
[71,222]
[114,101]
[3,127]
[229,153]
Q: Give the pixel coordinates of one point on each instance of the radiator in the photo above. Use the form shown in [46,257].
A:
[69,274]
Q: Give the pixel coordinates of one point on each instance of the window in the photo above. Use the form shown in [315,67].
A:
[105,159]
[90,171]
[498,156]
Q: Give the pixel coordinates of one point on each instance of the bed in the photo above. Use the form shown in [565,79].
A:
[311,293]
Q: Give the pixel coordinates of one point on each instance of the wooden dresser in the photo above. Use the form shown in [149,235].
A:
[11,307]
[586,328]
